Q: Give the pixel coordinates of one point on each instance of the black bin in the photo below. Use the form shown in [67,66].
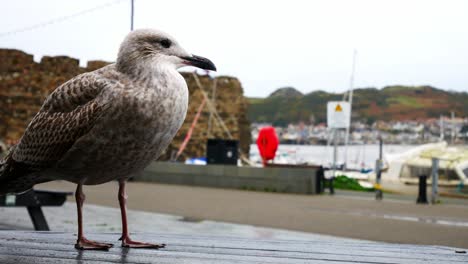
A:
[422,194]
[221,151]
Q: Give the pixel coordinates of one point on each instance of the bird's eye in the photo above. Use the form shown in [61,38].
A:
[166,43]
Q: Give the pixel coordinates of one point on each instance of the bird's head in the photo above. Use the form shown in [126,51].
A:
[149,48]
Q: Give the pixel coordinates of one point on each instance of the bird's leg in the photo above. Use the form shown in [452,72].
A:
[82,242]
[126,241]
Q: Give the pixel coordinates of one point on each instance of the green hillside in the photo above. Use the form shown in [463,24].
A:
[288,105]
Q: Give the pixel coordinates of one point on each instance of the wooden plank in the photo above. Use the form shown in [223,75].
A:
[55,247]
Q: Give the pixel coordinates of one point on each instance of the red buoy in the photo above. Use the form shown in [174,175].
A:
[267,143]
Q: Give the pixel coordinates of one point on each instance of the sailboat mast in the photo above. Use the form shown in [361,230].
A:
[441,125]
[351,86]
[452,135]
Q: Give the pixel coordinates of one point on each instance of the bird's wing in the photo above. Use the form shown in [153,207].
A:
[67,114]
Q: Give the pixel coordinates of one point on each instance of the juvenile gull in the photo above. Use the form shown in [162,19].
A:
[106,125]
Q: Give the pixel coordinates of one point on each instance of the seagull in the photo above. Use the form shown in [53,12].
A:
[106,125]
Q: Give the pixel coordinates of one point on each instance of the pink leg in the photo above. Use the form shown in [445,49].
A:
[126,241]
[82,242]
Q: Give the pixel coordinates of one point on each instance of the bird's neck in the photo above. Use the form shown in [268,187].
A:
[150,72]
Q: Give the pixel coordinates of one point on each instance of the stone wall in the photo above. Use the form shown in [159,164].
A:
[24,84]
[279,179]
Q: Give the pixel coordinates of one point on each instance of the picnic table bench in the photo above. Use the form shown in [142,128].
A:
[57,247]
[33,200]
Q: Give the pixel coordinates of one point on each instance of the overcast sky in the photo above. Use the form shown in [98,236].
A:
[267,44]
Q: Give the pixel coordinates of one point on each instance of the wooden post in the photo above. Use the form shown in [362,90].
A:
[435,180]
[378,171]
[335,152]
[132,14]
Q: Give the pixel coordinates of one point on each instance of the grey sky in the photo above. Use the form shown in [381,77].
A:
[269,44]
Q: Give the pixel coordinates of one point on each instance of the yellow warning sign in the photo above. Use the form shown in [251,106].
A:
[338,108]
[338,114]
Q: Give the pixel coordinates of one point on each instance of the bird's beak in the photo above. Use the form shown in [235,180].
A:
[199,62]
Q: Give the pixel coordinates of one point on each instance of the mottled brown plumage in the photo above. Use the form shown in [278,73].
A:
[107,124]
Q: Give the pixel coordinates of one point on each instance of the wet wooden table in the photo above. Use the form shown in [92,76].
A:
[53,247]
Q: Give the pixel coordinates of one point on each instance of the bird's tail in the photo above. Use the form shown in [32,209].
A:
[15,177]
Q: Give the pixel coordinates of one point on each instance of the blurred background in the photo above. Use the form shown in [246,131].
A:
[398,68]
